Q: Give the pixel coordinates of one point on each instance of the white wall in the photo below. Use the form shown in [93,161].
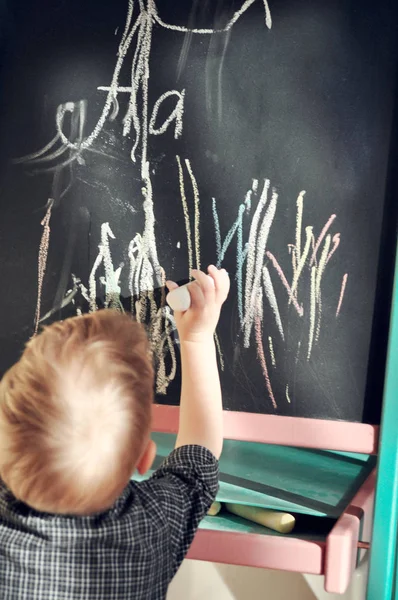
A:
[356,590]
[199,580]
[207,581]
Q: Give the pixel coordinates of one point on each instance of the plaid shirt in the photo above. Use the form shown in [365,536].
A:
[130,552]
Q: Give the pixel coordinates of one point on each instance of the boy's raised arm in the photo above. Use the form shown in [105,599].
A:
[201,400]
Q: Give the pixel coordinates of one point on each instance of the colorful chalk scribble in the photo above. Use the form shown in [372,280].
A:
[258,269]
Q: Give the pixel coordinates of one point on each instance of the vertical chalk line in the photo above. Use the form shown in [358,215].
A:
[271,351]
[219,351]
[294,260]
[230,235]
[251,253]
[146,48]
[263,362]
[342,291]
[217,231]
[170,344]
[320,238]
[112,288]
[319,316]
[259,261]
[222,247]
[132,116]
[287,393]
[186,215]
[336,243]
[268,18]
[299,222]
[271,297]
[322,264]
[163,378]
[196,212]
[319,274]
[239,267]
[42,261]
[312,311]
[284,281]
[300,266]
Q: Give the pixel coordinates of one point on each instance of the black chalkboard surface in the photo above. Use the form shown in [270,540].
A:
[139,139]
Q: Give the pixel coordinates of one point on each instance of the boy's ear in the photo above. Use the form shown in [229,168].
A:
[147,458]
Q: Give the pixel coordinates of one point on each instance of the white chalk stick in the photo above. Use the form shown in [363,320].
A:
[180,298]
[278,521]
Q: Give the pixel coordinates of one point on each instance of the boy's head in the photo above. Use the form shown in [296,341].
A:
[75,414]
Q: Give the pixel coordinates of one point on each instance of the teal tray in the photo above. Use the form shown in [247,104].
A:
[307,482]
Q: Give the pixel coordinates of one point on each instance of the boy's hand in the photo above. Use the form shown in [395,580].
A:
[208,294]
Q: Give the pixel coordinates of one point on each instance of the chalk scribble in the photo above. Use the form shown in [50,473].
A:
[261,282]
[42,260]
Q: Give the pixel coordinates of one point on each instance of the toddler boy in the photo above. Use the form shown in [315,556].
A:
[75,423]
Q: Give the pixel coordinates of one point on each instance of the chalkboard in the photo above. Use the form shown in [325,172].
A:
[139,139]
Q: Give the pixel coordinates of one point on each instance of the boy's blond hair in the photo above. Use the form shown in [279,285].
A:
[75,413]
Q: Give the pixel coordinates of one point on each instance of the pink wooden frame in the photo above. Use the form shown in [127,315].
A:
[341,545]
[335,557]
[284,431]
[255,550]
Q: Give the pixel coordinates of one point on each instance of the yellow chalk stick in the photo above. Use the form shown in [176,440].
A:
[214,509]
[279,521]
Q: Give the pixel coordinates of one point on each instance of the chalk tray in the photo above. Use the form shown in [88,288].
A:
[330,493]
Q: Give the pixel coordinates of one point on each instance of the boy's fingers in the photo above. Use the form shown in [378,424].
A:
[214,273]
[225,286]
[197,295]
[221,282]
[205,282]
[171,285]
